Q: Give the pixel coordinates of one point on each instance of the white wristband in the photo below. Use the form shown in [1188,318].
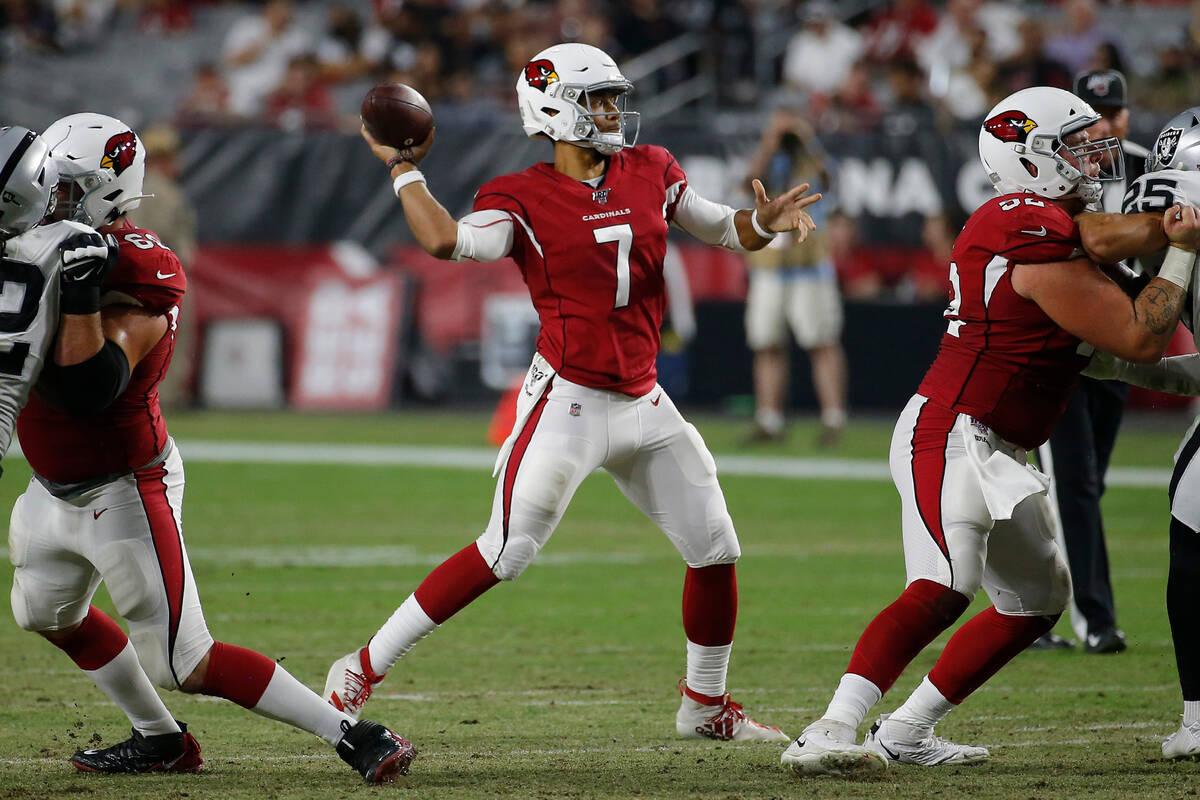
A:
[1177,267]
[763,234]
[412,176]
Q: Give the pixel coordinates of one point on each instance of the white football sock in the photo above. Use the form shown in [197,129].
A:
[707,668]
[852,700]
[288,700]
[125,682]
[924,708]
[1191,712]
[408,625]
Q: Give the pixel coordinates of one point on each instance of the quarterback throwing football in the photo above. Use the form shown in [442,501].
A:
[589,231]
[1024,308]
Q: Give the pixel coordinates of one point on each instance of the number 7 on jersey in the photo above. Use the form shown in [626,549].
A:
[623,236]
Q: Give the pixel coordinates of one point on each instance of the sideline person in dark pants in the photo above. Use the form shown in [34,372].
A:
[1082,441]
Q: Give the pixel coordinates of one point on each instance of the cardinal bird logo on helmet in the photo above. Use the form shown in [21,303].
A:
[1010,126]
[119,152]
[540,74]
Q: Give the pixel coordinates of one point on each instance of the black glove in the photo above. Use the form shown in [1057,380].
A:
[87,258]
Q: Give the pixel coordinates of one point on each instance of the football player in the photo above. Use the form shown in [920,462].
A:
[588,231]
[105,500]
[974,514]
[35,261]
[1173,176]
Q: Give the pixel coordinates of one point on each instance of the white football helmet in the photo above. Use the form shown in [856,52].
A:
[28,177]
[553,95]
[1021,146]
[101,164]
[1177,145]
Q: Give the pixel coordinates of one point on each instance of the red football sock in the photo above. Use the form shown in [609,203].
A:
[710,604]
[978,650]
[237,674]
[97,641]
[455,583]
[903,629]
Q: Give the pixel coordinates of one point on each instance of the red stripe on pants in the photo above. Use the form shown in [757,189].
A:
[518,453]
[930,435]
[168,547]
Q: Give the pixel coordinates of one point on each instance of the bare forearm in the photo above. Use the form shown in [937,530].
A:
[79,338]
[1109,238]
[748,237]
[430,223]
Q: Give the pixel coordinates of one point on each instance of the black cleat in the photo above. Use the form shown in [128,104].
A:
[168,752]
[1109,640]
[378,754]
[1051,641]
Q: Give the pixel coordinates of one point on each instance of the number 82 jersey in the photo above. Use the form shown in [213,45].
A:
[29,276]
[1002,359]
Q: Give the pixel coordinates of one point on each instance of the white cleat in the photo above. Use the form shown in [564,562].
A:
[350,682]
[1183,743]
[902,743]
[723,720]
[827,748]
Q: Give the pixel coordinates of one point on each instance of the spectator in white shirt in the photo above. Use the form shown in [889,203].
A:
[820,55]
[258,49]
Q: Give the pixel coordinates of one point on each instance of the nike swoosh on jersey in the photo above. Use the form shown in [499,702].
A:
[654,402]
[163,277]
[96,514]
[1037,232]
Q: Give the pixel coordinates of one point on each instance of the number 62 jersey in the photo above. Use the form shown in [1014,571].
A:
[1002,360]
[28,314]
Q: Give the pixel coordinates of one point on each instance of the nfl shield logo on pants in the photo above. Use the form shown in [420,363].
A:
[575,409]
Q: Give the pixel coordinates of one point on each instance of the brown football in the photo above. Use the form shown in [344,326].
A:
[397,115]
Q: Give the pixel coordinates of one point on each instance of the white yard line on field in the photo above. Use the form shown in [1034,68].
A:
[479,458]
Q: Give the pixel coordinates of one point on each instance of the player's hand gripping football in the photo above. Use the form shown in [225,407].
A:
[385,153]
[87,258]
[1181,223]
[786,212]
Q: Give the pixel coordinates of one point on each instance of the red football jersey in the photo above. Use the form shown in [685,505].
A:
[71,448]
[1002,360]
[593,261]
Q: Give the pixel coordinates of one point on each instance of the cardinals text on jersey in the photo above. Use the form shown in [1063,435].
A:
[1002,360]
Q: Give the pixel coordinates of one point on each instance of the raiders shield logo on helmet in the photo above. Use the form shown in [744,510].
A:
[1010,126]
[119,152]
[1164,146]
[540,74]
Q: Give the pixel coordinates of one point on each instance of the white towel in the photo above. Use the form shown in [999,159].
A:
[1004,476]
[540,373]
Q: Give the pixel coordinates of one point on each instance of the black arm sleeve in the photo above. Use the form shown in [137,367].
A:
[92,385]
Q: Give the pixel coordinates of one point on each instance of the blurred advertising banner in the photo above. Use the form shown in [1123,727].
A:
[252,185]
[340,315]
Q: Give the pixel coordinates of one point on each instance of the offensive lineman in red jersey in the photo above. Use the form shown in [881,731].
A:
[105,502]
[1025,311]
[588,232]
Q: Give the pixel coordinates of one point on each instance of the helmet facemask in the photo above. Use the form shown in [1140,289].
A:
[589,123]
[1069,160]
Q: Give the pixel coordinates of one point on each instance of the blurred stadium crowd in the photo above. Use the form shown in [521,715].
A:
[857,66]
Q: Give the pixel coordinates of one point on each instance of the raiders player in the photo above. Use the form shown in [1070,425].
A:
[1173,176]
[30,268]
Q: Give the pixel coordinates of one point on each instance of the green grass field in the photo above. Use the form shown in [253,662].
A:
[562,684]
